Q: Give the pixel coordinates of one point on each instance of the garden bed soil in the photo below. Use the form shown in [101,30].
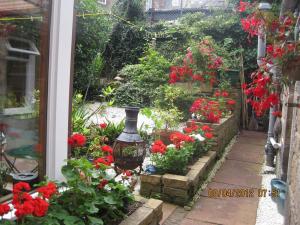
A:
[148,212]
[175,188]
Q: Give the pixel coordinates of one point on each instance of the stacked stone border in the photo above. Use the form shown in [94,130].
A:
[175,188]
[150,213]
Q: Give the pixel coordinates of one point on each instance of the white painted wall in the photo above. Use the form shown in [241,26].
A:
[58,86]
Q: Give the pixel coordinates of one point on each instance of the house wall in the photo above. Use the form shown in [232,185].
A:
[292,216]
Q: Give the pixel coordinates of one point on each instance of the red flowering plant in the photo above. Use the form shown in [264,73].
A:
[226,104]
[185,147]
[261,91]
[90,195]
[202,136]
[206,110]
[200,64]
[28,207]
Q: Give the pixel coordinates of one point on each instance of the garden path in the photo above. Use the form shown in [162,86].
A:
[242,169]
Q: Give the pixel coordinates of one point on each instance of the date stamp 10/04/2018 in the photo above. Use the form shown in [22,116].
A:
[242,193]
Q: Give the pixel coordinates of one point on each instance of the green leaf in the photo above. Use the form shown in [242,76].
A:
[69,173]
[71,220]
[95,221]
[109,200]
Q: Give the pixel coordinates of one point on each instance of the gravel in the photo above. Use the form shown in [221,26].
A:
[267,212]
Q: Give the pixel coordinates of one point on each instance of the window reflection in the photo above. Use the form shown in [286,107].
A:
[23,82]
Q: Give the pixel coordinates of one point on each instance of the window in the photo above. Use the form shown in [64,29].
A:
[103,2]
[24,47]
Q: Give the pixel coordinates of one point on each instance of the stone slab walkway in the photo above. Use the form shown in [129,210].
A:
[241,170]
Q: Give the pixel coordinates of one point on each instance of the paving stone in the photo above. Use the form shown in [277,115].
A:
[175,181]
[176,217]
[247,153]
[254,142]
[226,212]
[195,222]
[239,173]
[167,210]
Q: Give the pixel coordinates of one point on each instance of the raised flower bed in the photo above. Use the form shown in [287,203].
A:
[178,189]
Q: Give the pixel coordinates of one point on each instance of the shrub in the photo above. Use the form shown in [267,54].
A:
[92,34]
[142,80]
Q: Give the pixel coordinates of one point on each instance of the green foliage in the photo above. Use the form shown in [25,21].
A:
[92,34]
[81,115]
[82,201]
[142,80]
[170,40]
[174,161]
[132,10]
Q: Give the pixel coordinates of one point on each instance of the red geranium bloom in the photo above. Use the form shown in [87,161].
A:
[77,140]
[243,6]
[107,149]
[48,191]
[104,161]
[158,147]
[231,102]
[40,207]
[206,128]
[103,183]
[20,187]
[209,135]
[24,209]
[103,125]
[4,209]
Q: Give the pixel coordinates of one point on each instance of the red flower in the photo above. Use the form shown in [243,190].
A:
[127,173]
[208,135]
[108,160]
[103,125]
[277,113]
[225,94]
[158,147]
[77,140]
[40,207]
[48,191]
[243,6]
[4,209]
[20,187]
[27,208]
[107,149]
[206,128]
[103,183]
[231,102]
[178,138]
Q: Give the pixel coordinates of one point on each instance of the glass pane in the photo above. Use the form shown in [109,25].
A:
[24,45]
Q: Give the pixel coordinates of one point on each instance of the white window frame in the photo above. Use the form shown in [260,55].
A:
[30,72]
[61,38]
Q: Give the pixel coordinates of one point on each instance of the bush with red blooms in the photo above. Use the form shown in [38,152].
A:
[26,205]
[206,110]
[262,93]
[185,147]
[226,104]
[200,64]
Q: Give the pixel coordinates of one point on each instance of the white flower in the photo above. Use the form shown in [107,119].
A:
[198,137]
[171,146]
